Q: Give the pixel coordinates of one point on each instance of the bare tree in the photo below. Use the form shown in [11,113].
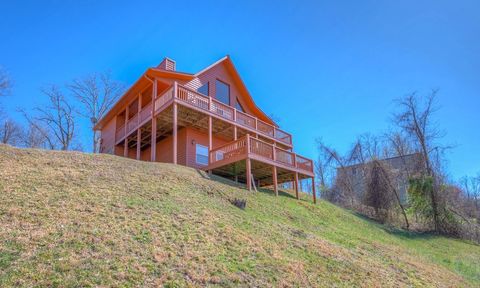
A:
[11,132]
[35,136]
[97,93]
[379,194]
[471,189]
[344,186]
[415,119]
[5,82]
[54,122]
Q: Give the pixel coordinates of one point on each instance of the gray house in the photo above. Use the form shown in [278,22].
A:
[401,168]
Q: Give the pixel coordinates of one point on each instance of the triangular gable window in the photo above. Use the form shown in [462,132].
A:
[238,106]
[204,89]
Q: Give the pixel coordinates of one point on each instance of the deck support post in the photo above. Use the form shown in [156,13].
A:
[248,166]
[313,191]
[235,135]
[274,175]
[153,144]
[210,143]
[175,122]
[139,131]
[296,185]
[125,147]
[139,142]
[249,174]
[174,133]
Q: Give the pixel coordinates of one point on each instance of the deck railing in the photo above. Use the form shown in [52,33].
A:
[304,163]
[202,102]
[146,112]
[218,108]
[162,100]
[120,133]
[229,150]
[260,149]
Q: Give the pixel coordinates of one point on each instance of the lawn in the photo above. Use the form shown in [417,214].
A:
[73,219]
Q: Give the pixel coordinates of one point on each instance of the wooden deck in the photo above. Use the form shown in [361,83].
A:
[248,147]
[207,105]
[258,152]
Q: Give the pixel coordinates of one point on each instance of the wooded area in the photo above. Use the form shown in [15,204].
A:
[433,201]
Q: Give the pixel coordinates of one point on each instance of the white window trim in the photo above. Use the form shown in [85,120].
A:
[196,154]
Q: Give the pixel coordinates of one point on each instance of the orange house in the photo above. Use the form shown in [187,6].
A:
[207,120]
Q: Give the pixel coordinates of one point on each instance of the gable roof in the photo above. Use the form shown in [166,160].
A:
[161,73]
[242,87]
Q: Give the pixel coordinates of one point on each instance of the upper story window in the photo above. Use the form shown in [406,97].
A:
[222,92]
[204,89]
[238,106]
[201,154]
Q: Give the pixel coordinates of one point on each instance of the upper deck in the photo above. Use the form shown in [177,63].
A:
[199,102]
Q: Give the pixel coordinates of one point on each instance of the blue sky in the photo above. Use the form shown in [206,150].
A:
[332,67]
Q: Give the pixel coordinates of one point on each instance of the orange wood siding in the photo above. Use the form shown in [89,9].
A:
[165,149]
[198,137]
[219,72]
[108,137]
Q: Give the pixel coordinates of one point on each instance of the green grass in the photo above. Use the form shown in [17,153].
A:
[73,219]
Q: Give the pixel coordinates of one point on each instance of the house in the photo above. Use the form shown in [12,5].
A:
[401,168]
[207,120]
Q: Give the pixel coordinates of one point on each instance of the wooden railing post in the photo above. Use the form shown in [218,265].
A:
[175,90]
[248,144]
[274,153]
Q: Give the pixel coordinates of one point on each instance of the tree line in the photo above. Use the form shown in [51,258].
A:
[55,125]
[364,180]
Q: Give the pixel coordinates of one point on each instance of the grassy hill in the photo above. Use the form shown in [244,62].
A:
[73,219]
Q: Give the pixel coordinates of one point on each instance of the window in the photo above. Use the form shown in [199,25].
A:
[238,106]
[222,92]
[201,154]
[204,89]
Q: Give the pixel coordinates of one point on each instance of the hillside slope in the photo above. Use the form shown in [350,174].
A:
[73,219]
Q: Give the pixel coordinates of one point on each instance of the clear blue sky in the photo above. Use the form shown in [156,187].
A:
[333,67]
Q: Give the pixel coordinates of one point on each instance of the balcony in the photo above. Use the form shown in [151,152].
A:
[249,147]
[133,123]
[195,100]
[189,98]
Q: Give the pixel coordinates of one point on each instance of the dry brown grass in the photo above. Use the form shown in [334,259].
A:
[73,219]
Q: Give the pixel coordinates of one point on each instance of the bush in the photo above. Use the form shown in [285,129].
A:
[431,206]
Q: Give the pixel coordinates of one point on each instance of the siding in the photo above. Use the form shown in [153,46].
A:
[108,137]
[199,138]
[218,72]
[165,149]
